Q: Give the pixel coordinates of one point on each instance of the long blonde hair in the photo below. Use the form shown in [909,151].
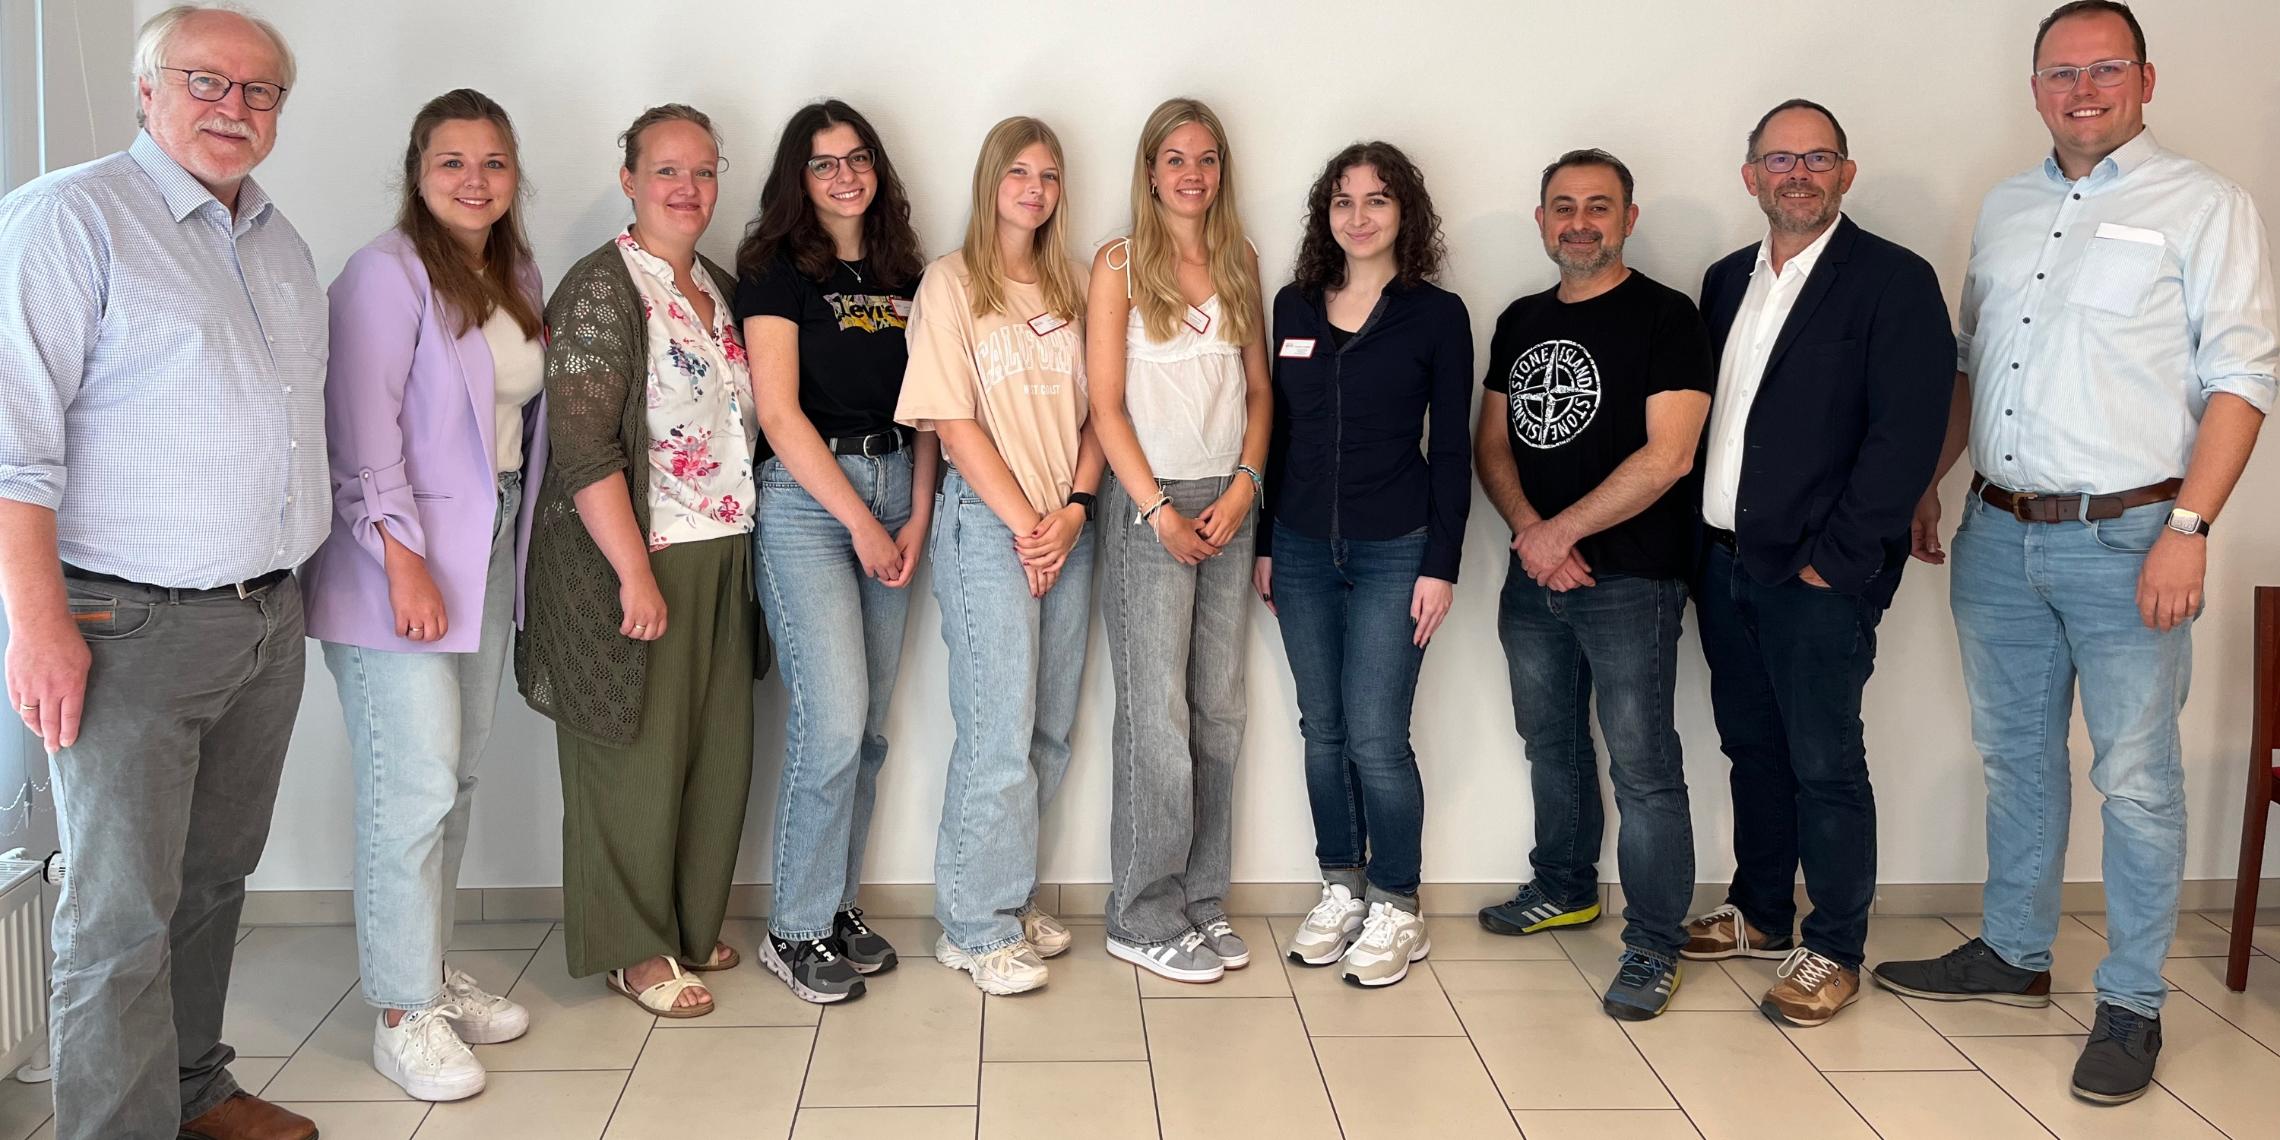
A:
[1057,277]
[1155,279]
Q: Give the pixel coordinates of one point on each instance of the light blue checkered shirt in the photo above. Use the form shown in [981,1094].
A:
[162,373]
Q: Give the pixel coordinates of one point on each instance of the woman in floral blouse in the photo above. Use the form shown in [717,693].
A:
[650,491]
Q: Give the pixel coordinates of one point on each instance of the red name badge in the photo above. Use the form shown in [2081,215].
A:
[1296,348]
[1046,324]
[1197,319]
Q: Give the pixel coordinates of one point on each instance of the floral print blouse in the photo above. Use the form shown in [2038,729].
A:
[702,422]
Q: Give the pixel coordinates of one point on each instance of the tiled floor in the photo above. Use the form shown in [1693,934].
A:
[1492,1037]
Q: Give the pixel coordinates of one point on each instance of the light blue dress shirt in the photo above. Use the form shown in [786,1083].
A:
[2099,316]
[162,373]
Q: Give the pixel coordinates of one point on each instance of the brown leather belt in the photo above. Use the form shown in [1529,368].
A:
[2027,506]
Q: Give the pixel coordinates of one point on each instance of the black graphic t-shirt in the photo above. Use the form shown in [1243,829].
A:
[852,349]
[1577,378]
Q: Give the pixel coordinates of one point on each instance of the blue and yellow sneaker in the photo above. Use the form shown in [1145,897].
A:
[1643,986]
[1531,911]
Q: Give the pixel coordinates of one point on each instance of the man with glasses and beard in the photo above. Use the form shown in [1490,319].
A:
[1597,389]
[1833,360]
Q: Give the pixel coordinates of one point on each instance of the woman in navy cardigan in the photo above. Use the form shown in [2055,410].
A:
[1360,559]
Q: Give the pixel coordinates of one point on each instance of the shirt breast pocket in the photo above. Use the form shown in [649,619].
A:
[2118,270]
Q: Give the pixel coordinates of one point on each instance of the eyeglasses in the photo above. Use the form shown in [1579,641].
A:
[208,87]
[2104,73]
[825,167]
[1817,161]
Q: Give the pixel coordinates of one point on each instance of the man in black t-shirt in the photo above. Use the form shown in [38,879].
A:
[1597,392]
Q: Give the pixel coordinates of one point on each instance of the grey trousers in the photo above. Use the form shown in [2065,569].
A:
[164,807]
[1175,641]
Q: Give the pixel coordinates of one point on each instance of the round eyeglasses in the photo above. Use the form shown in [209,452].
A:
[211,87]
[825,167]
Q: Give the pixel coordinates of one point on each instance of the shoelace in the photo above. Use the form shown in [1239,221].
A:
[2122,1027]
[1724,912]
[855,919]
[1636,970]
[432,1036]
[468,996]
[1219,928]
[1527,896]
[1191,940]
[1811,969]
[823,950]
[1380,927]
[1329,911]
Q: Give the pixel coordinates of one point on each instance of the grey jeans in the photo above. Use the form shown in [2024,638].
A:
[1175,642]
[164,806]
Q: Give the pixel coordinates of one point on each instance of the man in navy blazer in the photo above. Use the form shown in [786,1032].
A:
[1836,361]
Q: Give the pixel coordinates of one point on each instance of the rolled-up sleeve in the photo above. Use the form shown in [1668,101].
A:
[375,330]
[591,366]
[53,266]
[2229,305]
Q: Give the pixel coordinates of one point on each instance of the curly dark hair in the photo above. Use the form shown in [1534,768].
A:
[786,221]
[1418,248]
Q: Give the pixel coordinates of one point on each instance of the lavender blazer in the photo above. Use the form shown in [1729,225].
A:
[409,420]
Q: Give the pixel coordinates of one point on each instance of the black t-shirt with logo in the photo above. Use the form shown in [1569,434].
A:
[852,347]
[1577,378]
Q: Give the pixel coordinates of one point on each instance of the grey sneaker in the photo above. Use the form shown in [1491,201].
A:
[815,970]
[2117,1061]
[1183,959]
[1643,986]
[1219,934]
[870,952]
[1329,928]
[1970,972]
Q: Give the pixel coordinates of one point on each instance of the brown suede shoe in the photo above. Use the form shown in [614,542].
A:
[1810,990]
[1724,933]
[247,1117]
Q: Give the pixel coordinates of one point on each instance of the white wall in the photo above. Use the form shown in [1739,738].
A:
[1934,95]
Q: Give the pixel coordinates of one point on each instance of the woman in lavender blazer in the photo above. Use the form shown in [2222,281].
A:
[438,437]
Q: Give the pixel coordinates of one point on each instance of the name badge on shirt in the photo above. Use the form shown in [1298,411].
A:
[1197,319]
[1046,324]
[2130,233]
[902,307]
[1296,348]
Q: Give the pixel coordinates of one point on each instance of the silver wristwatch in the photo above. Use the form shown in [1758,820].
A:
[2186,522]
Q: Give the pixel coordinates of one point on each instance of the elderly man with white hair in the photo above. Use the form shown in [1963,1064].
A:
[162,470]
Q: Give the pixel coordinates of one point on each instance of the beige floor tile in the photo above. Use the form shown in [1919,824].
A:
[1460,938]
[735,1081]
[884,1123]
[1113,1100]
[2218,1071]
[2265,938]
[499,935]
[1737,1076]
[1988,1019]
[2037,1072]
[1930,1106]
[351,1120]
[1262,978]
[2196,936]
[1281,1093]
[1604,1124]
[336,1064]
[24,1107]
[1088,1011]
[750,995]
[914,1040]
[254,1073]
[1876,1032]
[284,981]
[1411,1086]
[1539,1028]
[555,1105]
[2255,1011]
[1702,985]
[2074,956]
[1412,1007]
[46,1132]
[2265,916]
[576,1023]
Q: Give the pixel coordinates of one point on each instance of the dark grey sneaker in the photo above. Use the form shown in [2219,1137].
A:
[1643,986]
[815,970]
[2117,1062]
[1531,911]
[870,952]
[1970,972]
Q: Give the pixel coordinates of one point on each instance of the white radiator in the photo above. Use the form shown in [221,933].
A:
[24,915]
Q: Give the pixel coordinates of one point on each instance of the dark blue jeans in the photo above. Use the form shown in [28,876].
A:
[1788,663]
[1344,609]
[1618,639]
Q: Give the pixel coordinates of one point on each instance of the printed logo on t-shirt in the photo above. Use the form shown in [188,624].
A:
[868,312]
[1007,352]
[1554,393]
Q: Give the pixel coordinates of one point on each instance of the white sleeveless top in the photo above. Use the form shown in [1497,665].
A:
[1185,395]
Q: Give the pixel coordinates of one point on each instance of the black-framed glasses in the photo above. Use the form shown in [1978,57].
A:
[212,87]
[2104,73]
[825,167]
[1817,161]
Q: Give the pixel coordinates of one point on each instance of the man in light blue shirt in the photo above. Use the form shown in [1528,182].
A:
[162,470]
[2117,359]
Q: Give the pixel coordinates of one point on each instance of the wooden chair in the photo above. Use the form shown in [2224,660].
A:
[2263,782]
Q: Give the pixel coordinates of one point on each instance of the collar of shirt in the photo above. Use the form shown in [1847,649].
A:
[656,267]
[185,195]
[1806,258]
[2126,157]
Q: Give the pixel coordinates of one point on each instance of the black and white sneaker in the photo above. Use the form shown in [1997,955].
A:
[870,952]
[815,970]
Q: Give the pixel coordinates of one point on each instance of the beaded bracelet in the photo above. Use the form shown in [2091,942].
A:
[1258,484]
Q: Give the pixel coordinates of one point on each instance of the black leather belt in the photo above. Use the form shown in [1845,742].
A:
[875,444]
[238,590]
[1723,538]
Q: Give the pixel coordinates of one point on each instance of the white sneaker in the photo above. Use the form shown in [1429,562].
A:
[425,1058]
[1183,959]
[1010,969]
[1046,933]
[484,1018]
[1391,939]
[1328,928]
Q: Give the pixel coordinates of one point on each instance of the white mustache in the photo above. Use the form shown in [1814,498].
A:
[222,125]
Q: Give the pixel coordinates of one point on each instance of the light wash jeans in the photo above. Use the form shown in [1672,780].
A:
[1015,667]
[417,724]
[839,640]
[1175,639]
[2040,607]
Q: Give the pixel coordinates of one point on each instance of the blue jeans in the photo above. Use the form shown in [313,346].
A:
[839,639]
[1344,610]
[417,724]
[1015,666]
[1788,663]
[1620,640]
[2040,607]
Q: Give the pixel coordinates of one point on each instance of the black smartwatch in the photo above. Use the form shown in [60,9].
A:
[1083,499]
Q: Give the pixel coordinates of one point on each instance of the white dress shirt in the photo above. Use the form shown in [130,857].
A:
[1749,343]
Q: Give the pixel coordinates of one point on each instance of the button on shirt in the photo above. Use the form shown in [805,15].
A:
[1749,345]
[162,373]
[2100,315]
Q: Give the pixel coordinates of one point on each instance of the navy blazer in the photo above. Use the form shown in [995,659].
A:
[1848,420]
